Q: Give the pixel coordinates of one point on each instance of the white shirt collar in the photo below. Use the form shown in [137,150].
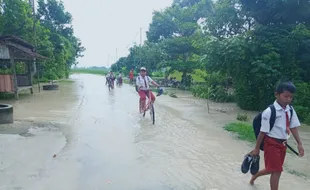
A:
[279,107]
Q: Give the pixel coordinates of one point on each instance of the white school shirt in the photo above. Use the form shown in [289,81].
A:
[140,82]
[279,129]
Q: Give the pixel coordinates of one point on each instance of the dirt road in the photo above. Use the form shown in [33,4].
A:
[101,142]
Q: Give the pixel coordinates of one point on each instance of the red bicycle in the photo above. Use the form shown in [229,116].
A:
[150,105]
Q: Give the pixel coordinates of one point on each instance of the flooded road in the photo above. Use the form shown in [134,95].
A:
[101,142]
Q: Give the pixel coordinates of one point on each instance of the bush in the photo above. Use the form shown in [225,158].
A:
[216,88]
[242,117]
[217,93]
[186,80]
[51,75]
[303,113]
[245,98]
[220,94]
[200,91]
[254,95]
[302,102]
[158,74]
[302,97]
[5,71]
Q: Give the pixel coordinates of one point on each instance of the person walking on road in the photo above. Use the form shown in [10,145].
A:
[120,78]
[275,139]
[131,75]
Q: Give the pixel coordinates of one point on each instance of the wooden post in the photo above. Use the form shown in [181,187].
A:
[38,74]
[208,100]
[30,76]
[14,75]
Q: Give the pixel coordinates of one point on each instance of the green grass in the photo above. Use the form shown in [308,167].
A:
[244,130]
[89,71]
[242,117]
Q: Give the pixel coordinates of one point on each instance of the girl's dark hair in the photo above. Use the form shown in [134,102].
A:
[286,86]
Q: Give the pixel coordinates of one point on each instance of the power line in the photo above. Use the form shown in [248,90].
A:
[133,40]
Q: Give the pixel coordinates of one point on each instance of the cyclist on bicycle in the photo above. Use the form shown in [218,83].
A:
[111,77]
[143,88]
[107,78]
[120,78]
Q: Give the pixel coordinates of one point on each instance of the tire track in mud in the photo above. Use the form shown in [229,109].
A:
[183,155]
[206,149]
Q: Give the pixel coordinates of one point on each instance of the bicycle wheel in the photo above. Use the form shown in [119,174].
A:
[152,113]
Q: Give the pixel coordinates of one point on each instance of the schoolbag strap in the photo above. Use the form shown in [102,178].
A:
[273,114]
[291,110]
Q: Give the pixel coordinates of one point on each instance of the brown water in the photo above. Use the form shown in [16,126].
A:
[102,142]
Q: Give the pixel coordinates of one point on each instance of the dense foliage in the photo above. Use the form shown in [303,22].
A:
[54,38]
[254,44]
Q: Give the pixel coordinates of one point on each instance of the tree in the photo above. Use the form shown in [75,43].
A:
[254,44]
[67,47]
[16,19]
[162,26]
[278,12]
[228,19]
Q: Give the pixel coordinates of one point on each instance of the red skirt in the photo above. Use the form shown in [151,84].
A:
[274,154]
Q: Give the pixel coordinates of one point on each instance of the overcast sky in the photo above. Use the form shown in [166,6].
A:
[107,25]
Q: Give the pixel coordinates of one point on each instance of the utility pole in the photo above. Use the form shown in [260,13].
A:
[109,60]
[32,3]
[140,36]
[116,56]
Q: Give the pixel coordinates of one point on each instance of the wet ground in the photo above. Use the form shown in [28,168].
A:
[85,137]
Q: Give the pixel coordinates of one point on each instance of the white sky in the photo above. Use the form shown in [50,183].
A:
[107,25]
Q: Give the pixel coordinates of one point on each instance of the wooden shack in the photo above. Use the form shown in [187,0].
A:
[14,49]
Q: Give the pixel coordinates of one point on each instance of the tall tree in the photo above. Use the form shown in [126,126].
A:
[67,47]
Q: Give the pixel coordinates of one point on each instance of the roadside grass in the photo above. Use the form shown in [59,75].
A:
[243,130]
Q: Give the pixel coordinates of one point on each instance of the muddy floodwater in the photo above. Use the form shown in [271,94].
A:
[83,137]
